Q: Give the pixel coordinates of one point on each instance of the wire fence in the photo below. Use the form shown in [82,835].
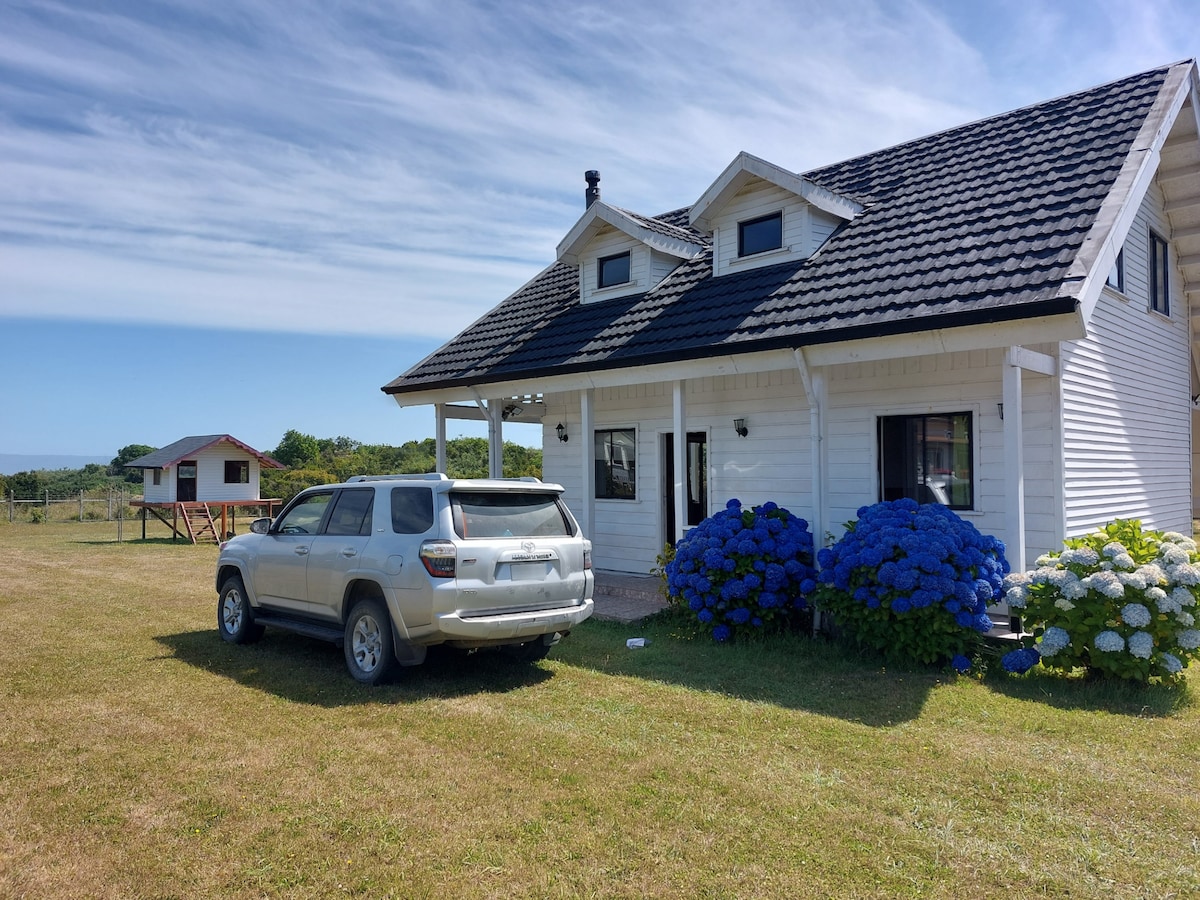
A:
[87,506]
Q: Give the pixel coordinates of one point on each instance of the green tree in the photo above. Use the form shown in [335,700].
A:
[297,449]
[128,453]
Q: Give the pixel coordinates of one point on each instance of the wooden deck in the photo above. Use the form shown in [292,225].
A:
[197,521]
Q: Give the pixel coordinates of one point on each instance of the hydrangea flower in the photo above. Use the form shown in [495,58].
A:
[903,566]
[1053,640]
[1109,642]
[1171,664]
[961,663]
[1020,661]
[744,569]
[1135,614]
[1141,645]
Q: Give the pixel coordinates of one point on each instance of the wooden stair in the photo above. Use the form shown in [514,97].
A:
[198,520]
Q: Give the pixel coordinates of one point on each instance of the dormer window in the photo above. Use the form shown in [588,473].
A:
[612,270]
[760,235]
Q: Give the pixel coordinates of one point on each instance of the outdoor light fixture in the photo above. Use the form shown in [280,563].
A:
[562,432]
[511,411]
[739,425]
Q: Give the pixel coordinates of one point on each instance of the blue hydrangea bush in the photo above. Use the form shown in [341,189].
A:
[913,581]
[745,570]
[1120,602]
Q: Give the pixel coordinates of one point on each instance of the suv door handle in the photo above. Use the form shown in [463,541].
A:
[349,552]
[301,551]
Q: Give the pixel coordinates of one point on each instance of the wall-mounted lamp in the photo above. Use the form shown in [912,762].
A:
[511,411]
[739,425]
[562,432]
[1000,409]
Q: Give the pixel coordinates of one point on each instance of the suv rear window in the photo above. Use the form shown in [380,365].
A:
[480,514]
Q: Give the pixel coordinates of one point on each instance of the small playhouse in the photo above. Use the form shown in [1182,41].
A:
[196,485]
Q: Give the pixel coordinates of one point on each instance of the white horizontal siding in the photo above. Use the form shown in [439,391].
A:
[1127,417]
[609,242]
[774,461]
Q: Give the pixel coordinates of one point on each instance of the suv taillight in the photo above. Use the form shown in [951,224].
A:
[439,558]
[587,555]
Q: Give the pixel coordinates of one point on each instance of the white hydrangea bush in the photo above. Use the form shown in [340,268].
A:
[1121,601]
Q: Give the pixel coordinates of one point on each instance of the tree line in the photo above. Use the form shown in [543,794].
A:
[308,460]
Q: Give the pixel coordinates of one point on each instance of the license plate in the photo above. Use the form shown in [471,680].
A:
[527,571]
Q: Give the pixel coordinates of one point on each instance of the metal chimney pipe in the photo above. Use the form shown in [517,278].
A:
[592,194]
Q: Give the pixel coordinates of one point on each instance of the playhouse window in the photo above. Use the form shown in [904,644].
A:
[927,458]
[158,476]
[237,471]
[616,464]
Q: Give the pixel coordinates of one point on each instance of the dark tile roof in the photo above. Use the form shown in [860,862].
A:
[977,224]
[188,446]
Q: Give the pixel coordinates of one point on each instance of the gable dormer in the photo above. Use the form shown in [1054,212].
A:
[759,214]
[620,253]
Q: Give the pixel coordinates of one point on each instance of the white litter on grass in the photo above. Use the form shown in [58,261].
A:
[636,643]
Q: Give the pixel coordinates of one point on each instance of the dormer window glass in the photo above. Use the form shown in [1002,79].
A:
[760,235]
[612,270]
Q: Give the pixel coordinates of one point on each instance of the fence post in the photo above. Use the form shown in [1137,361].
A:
[110,492]
[121,517]
[81,506]
[47,504]
[11,497]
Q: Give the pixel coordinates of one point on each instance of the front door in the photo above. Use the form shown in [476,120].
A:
[697,481]
[185,481]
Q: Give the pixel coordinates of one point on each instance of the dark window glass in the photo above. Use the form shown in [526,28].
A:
[1160,283]
[1116,278]
[612,270]
[927,459]
[351,513]
[482,514]
[760,235]
[412,510]
[616,464]
[237,471]
[305,517]
[158,476]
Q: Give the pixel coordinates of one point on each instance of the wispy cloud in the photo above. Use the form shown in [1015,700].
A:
[397,168]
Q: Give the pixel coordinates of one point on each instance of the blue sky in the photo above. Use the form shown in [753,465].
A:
[247,216]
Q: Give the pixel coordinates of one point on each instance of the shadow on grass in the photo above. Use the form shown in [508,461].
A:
[798,672]
[309,671]
[1110,695]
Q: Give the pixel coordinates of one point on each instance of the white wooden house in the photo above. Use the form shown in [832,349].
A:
[997,317]
[190,477]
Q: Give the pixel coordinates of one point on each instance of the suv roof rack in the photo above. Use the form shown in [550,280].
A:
[424,476]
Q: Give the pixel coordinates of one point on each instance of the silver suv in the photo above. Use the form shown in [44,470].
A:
[390,565]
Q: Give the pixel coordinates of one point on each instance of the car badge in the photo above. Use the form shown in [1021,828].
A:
[528,546]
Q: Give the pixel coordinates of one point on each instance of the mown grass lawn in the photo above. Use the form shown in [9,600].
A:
[142,757]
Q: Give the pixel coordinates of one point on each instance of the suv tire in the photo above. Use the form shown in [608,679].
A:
[235,621]
[368,646]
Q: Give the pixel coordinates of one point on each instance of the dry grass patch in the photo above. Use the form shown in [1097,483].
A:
[142,757]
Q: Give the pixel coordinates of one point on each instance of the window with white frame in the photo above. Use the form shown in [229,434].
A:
[1160,280]
[927,458]
[616,464]
[1116,277]
[613,270]
[760,235]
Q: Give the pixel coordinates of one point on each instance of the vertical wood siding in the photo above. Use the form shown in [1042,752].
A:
[1127,415]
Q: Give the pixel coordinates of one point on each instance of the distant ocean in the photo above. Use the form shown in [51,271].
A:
[11,463]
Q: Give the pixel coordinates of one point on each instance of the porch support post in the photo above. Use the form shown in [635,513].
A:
[817,395]
[491,412]
[1014,461]
[439,438]
[587,426]
[679,424]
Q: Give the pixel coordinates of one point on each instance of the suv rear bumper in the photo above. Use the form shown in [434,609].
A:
[504,627]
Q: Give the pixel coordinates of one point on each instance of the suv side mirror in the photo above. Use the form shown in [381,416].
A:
[261,526]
